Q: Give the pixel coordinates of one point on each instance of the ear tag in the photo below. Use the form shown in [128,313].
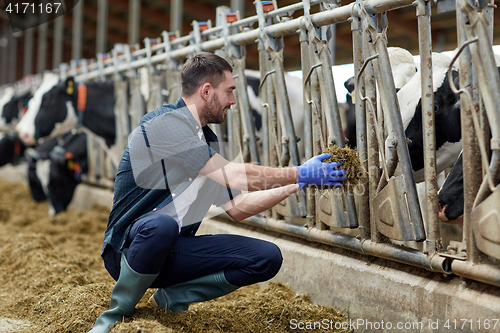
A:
[69,88]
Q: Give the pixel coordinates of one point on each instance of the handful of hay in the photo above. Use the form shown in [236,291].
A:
[350,161]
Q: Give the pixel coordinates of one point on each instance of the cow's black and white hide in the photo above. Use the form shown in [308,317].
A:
[447,117]
[12,106]
[68,161]
[55,168]
[5,98]
[12,110]
[37,158]
[53,110]
[11,149]
[403,69]
[451,194]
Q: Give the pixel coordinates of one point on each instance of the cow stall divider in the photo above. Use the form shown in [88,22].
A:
[385,209]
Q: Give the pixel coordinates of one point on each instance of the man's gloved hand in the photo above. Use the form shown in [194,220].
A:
[316,172]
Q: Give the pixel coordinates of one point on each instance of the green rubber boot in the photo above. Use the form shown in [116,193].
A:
[178,297]
[126,293]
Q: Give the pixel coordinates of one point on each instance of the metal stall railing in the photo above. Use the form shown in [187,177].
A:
[386,208]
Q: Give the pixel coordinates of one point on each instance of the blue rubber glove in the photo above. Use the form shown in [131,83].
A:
[315,172]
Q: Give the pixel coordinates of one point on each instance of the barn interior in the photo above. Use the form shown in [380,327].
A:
[94,26]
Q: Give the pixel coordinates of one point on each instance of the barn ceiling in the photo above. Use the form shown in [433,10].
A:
[155,17]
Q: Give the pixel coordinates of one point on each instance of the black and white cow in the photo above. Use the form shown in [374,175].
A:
[59,106]
[11,149]
[5,98]
[12,107]
[38,160]
[68,161]
[451,194]
[54,169]
[53,109]
[403,69]
[446,112]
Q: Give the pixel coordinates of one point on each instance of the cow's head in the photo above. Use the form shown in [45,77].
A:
[6,97]
[51,111]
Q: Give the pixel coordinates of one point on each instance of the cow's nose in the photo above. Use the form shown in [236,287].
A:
[27,139]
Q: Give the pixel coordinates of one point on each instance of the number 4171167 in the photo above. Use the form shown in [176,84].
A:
[471,324]
[31,8]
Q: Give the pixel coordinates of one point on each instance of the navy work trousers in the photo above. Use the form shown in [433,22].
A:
[155,247]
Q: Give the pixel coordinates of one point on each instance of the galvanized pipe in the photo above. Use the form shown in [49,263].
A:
[4,51]
[331,109]
[471,165]
[77,36]
[246,113]
[383,74]
[397,253]
[28,52]
[489,86]
[57,50]
[284,113]
[134,21]
[433,241]
[12,53]
[238,5]
[176,12]
[336,15]
[372,140]
[41,63]
[308,127]
[487,273]
[102,26]
[361,136]
[264,108]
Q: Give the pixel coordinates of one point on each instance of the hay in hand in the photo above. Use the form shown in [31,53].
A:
[356,174]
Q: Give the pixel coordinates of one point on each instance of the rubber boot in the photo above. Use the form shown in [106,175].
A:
[126,293]
[178,297]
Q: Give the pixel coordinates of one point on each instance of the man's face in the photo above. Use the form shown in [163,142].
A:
[215,109]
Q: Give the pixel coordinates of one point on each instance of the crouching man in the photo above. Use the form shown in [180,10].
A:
[169,176]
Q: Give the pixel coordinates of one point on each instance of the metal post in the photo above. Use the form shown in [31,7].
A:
[12,54]
[372,142]
[333,28]
[361,135]
[41,62]
[4,44]
[425,48]
[77,37]
[176,15]
[102,26]
[134,21]
[58,41]
[471,156]
[238,5]
[28,52]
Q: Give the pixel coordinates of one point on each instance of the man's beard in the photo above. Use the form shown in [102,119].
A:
[213,112]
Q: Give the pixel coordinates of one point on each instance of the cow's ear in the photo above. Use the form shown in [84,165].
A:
[70,85]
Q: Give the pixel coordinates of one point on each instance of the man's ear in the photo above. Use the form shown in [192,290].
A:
[206,90]
[70,85]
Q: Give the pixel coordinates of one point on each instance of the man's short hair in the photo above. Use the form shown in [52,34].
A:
[201,68]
